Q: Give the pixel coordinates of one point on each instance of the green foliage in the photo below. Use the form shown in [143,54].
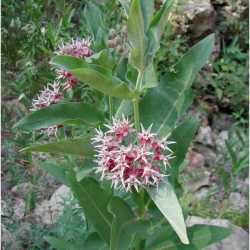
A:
[200,237]
[61,113]
[171,209]
[80,146]
[112,221]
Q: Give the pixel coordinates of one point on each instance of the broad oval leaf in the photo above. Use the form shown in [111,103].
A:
[173,93]
[70,146]
[106,83]
[68,62]
[165,199]
[124,225]
[94,202]
[60,113]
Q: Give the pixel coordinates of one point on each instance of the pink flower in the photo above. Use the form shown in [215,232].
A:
[78,48]
[51,94]
[129,159]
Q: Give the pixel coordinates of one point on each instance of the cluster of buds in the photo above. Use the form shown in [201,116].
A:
[119,40]
[131,160]
[79,48]
[51,94]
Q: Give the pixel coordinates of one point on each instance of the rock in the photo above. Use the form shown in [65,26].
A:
[209,155]
[220,140]
[242,185]
[8,240]
[24,232]
[6,211]
[238,240]
[19,208]
[237,202]
[22,189]
[202,180]
[205,136]
[49,211]
[202,193]
[201,16]
[195,160]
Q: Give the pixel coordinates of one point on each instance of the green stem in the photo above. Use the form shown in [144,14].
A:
[110,107]
[136,115]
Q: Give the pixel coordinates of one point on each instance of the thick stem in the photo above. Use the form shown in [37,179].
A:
[136,115]
[110,107]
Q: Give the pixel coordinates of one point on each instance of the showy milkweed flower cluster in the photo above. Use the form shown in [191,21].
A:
[53,92]
[79,48]
[131,160]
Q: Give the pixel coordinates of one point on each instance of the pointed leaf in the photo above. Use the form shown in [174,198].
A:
[68,62]
[61,244]
[174,93]
[94,202]
[124,225]
[93,17]
[60,113]
[183,136]
[71,146]
[107,84]
[136,34]
[167,202]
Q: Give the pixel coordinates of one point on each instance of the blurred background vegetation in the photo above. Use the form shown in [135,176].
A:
[33,29]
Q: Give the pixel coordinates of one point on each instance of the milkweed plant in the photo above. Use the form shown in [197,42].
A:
[132,132]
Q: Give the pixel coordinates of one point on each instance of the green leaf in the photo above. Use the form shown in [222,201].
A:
[125,5]
[200,237]
[107,84]
[124,225]
[167,202]
[147,7]
[94,242]
[85,170]
[183,136]
[93,17]
[94,202]
[70,146]
[136,34]
[174,93]
[102,58]
[150,78]
[60,113]
[58,171]
[198,55]
[61,244]
[169,97]
[68,62]
[157,27]
[125,108]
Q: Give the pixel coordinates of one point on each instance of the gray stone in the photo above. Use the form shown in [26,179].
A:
[221,139]
[23,189]
[205,136]
[237,202]
[49,211]
[238,240]
[195,160]
[201,180]
[201,16]
[6,211]
[19,208]
[8,240]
